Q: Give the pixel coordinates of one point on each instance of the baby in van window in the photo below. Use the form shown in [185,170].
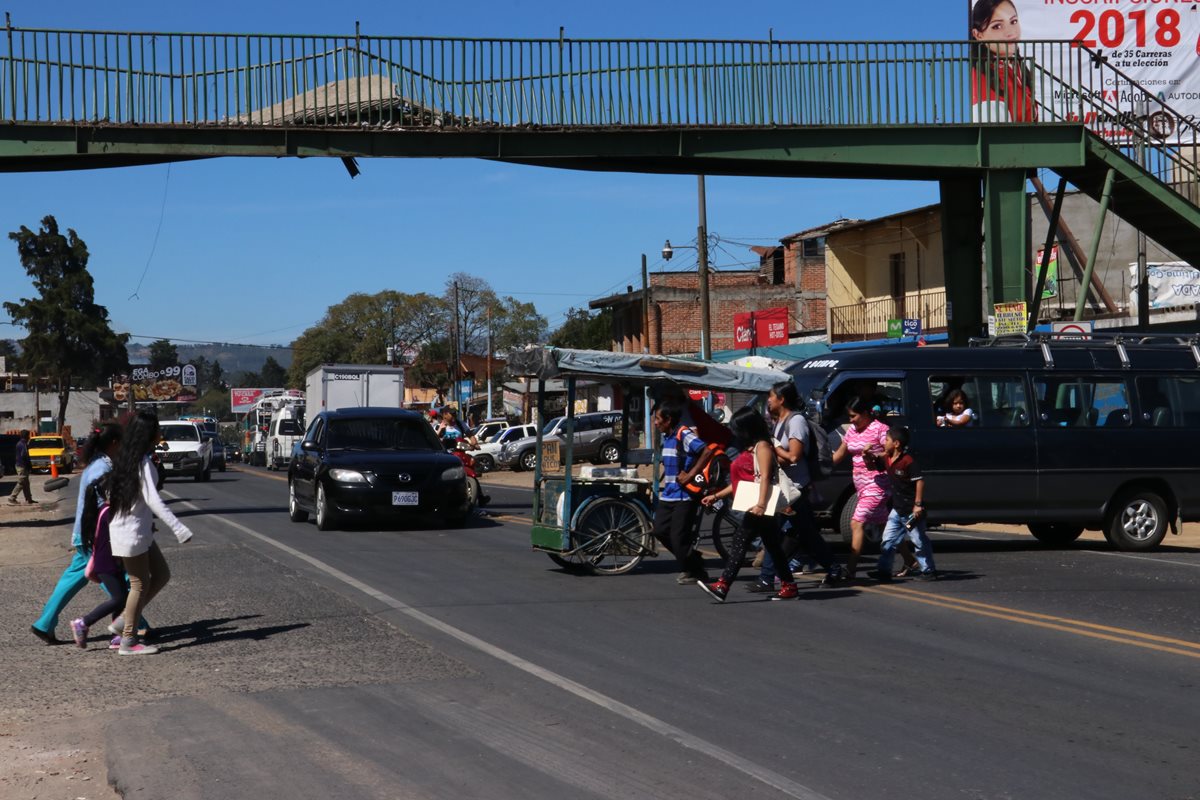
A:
[957,415]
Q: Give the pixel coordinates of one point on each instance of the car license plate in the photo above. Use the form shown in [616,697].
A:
[404,498]
[168,465]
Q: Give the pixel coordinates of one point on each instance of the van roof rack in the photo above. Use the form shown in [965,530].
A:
[1118,341]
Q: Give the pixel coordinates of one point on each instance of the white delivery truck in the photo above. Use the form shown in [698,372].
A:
[333,386]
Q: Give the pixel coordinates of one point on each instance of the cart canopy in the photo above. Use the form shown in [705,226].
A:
[561,362]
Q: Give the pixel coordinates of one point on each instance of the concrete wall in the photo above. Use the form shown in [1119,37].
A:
[858,259]
[18,410]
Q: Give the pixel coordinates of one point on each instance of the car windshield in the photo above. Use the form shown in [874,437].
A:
[45,442]
[179,433]
[382,434]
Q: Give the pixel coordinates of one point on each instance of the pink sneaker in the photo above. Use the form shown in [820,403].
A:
[79,630]
[115,643]
[137,650]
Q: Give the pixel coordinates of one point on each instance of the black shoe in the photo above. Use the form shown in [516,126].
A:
[833,577]
[926,576]
[48,638]
[758,587]
[879,575]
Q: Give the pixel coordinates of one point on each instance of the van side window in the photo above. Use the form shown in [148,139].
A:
[1170,401]
[997,401]
[1082,403]
[886,394]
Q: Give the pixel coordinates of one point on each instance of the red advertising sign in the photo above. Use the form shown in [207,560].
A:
[242,400]
[764,328]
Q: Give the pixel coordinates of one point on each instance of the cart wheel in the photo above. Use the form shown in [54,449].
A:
[723,528]
[612,534]
[576,564]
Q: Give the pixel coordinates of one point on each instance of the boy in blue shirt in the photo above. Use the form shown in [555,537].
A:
[684,455]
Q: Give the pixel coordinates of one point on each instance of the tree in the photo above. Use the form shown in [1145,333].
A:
[273,374]
[70,339]
[516,324]
[512,323]
[359,329]
[584,330]
[163,353]
[216,376]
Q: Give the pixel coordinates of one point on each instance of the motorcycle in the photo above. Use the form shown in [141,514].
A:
[475,496]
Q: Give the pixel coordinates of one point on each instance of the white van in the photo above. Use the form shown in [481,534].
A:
[286,429]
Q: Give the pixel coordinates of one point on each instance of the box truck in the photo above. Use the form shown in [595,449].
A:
[333,386]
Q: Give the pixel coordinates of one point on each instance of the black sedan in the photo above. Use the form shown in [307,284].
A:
[380,463]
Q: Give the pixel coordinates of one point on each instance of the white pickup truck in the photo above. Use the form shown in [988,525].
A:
[186,452]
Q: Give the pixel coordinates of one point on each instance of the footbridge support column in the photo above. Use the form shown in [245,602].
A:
[1005,235]
[962,253]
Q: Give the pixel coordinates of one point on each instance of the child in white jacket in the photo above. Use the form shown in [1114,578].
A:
[134,501]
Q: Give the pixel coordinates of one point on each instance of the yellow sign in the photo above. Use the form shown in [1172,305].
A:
[1011,318]
[551,456]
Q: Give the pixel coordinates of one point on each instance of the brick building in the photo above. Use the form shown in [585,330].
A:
[672,306]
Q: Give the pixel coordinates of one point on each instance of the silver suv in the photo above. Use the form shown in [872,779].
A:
[597,437]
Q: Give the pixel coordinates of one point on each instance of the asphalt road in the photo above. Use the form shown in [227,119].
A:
[1025,673]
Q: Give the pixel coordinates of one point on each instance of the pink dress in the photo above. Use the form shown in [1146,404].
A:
[871,485]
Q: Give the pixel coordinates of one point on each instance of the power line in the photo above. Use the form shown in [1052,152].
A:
[154,245]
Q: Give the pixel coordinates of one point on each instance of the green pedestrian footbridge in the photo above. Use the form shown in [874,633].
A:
[891,110]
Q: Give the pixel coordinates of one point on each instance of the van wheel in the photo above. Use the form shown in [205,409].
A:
[873,534]
[1055,534]
[1138,522]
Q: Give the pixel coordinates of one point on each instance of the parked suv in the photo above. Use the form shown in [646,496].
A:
[487,452]
[597,437]
[187,451]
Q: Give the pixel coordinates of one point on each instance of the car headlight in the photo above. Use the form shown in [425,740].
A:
[454,474]
[347,476]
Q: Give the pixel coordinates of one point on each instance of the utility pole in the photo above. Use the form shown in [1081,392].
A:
[645,307]
[457,344]
[489,361]
[702,255]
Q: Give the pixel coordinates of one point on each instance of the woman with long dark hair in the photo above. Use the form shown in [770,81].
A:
[133,499]
[1001,81]
[755,462]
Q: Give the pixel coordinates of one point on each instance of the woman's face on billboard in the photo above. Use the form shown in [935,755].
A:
[1002,31]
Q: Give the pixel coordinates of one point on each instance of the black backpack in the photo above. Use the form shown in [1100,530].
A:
[820,455]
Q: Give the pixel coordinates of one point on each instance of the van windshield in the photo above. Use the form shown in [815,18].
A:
[809,380]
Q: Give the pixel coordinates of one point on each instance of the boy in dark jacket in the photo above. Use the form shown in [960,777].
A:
[907,517]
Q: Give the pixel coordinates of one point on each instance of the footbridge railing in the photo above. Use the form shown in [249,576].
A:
[278,81]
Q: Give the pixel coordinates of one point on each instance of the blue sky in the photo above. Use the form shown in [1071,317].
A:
[254,250]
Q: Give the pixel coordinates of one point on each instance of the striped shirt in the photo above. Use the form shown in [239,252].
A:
[680,446]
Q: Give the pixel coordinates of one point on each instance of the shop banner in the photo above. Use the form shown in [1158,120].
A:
[1172,283]
[1156,45]
[767,327]
[1051,287]
[1008,318]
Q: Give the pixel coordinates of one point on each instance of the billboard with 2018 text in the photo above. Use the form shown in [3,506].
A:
[1154,44]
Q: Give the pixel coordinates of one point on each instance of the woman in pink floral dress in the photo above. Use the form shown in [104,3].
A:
[865,435]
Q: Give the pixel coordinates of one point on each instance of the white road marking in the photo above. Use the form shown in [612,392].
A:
[678,735]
